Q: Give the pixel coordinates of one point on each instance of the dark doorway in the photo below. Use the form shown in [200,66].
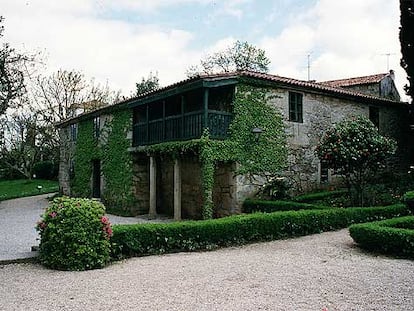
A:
[96,178]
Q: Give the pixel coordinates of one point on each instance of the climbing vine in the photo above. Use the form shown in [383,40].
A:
[117,163]
[86,151]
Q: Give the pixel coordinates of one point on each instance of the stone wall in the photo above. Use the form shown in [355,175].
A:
[140,184]
[225,190]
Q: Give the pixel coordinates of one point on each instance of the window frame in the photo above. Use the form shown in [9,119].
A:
[295,107]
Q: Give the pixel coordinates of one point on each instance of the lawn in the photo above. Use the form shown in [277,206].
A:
[10,189]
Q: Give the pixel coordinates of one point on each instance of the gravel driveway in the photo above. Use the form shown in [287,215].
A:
[308,273]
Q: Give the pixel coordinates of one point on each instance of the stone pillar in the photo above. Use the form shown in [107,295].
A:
[177,189]
[153,188]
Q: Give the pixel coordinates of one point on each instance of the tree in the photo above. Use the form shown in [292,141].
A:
[239,56]
[12,73]
[407,42]
[355,150]
[147,85]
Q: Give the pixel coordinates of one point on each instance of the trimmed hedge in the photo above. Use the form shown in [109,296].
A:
[145,239]
[252,206]
[306,198]
[393,236]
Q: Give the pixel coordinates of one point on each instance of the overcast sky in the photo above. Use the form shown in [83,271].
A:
[121,41]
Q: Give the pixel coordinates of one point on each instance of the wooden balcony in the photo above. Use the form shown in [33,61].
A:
[182,127]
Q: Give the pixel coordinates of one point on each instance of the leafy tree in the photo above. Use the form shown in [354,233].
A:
[147,85]
[239,56]
[12,73]
[407,42]
[355,150]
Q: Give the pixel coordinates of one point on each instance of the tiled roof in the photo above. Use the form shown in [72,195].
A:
[356,81]
[323,87]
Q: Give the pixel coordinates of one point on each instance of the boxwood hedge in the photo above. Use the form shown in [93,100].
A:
[145,239]
[393,236]
[252,206]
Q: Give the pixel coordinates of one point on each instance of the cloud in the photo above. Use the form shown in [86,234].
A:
[345,39]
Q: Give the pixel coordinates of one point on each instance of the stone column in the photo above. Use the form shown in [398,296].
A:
[177,189]
[153,188]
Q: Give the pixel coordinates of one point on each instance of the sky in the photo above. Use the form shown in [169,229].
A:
[119,42]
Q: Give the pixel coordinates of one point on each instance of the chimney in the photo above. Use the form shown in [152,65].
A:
[391,74]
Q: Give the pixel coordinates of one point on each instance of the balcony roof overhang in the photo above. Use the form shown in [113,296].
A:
[180,89]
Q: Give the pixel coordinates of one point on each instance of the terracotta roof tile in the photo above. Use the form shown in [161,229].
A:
[355,81]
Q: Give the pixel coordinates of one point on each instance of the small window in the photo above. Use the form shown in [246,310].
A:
[374,116]
[96,127]
[73,132]
[295,107]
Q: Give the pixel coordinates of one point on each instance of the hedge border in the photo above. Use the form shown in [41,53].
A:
[147,239]
[253,205]
[306,198]
[394,236]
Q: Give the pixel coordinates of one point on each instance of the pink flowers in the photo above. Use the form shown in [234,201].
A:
[107,226]
[41,225]
[53,214]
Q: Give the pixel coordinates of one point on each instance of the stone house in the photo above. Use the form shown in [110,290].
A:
[143,155]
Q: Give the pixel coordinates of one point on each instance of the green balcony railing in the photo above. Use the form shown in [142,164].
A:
[182,127]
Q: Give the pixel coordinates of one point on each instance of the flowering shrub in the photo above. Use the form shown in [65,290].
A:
[74,235]
[356,150]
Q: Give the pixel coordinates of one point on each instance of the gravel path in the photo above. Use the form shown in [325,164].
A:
[18,219]
[308,273]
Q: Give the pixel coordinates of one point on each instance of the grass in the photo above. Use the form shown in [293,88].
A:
[11,189]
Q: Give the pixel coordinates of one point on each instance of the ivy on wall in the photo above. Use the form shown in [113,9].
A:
[117,162]
[112,150]
[86,150]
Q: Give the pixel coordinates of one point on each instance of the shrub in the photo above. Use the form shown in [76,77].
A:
[408,199]
[252,205]
[45,170]
[74,235]
[316,196]
[138,239]
[394,236]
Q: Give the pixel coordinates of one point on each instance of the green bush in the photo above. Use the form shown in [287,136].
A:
[137,240]
[394,236]
[322,195]
[252,205]
[74,235]
[46,170]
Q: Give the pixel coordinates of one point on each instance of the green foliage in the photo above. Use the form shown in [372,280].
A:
[74,235]
[356,150]
[264,206]
[138,240]
[394,236]
[46,170]
[147,85]
[408,196]
[315,196]
[407,42]
[11,189]
[117,163]
[266,156]
[86,151]
[239,56]
[112,150]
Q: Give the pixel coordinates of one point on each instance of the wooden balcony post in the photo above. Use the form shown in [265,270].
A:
[153,188]
[177,189]
[205,109]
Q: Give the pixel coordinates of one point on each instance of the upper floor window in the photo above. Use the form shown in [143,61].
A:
[374,116]
[295,107]
[73,131]
[96,127]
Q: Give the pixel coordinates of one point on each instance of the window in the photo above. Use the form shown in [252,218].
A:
[374,116]
[96,127]
[295,107]
[73,132]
